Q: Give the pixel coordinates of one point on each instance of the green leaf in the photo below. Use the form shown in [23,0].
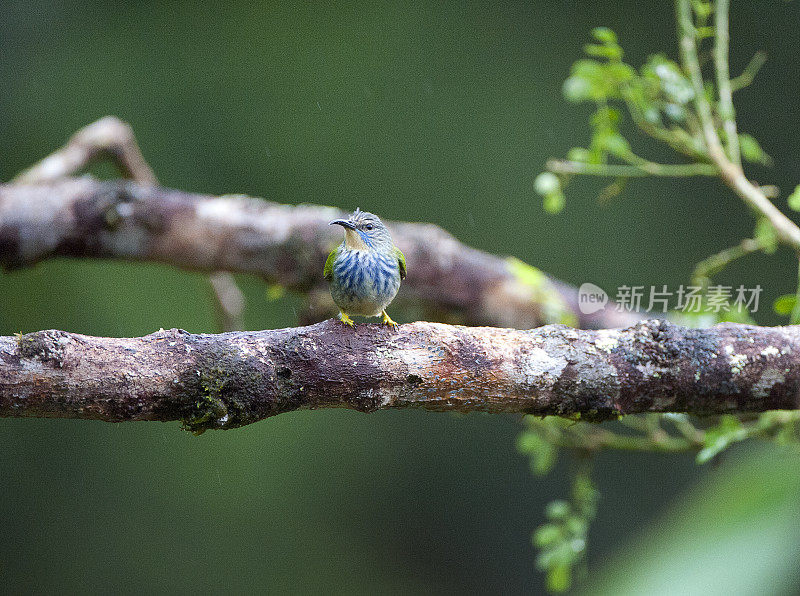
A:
[542,453]
[554,203]
[786,435]
[577,89]
[593,80]
[544,459]
[546,183]
[562,542]
[603,51]
[704,32]
[752,151]
[559,578]
[737,314]
[702,9]
[561,553]
[794,199]
[765,234]
[579,154]
[588,81]
[275,292]
[729,430]
[617,145]
[546,535]
[608,46]
[606,118]
[666,78]
[604,35]
[577,526]
[585,495]
[720,537]
[784,305]
[619,72]
[557,510]
[713,447]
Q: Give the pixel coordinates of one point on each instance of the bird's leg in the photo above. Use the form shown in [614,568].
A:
[345,319]
[387,320]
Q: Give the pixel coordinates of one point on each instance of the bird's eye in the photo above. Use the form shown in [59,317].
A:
[368,227]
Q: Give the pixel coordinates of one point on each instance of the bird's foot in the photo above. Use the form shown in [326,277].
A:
[387,320]
[346,320]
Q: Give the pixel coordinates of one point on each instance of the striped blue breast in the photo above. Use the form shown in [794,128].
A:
[364,280]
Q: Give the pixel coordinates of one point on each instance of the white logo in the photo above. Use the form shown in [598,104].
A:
[591,298]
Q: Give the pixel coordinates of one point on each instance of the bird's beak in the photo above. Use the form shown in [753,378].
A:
[344,223]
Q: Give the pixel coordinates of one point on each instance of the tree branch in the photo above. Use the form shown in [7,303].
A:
[726,109]
[106,139]
[113,140]
[229,300]
[285,245]
[233,379]
[750,71]
[640,170]
[730,172]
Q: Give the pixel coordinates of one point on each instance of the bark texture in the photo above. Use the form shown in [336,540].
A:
[285,245]
[233,379]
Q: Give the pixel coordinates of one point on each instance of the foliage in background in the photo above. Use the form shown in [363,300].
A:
[674,104]
[747,510]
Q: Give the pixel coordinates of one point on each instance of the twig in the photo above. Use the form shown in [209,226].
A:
[731,173]
[107,139]
[770,191]
[233,379]
[794,317]
[688,45]
[112,139]
[712,265]
[681,422]
[750,71]
[726,109]
[229,300]
[594,438]
[645,168]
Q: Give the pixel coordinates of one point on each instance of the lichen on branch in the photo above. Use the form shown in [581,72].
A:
[283,244]
[234,379]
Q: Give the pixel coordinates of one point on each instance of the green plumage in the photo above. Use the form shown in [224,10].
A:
[401,262]
[328,271]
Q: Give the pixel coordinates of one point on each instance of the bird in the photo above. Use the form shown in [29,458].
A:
[365,270]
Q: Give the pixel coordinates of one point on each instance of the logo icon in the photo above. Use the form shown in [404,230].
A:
[591,298]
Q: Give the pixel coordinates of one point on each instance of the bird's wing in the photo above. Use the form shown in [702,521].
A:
[327,273]
[401,261]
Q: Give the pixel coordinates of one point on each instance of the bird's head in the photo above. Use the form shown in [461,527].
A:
[364,231]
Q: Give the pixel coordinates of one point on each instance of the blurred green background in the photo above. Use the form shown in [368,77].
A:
[439,112]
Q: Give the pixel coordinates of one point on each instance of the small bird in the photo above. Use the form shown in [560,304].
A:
[365,270]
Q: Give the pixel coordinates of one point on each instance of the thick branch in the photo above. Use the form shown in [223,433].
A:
[232,379]
[286,245]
